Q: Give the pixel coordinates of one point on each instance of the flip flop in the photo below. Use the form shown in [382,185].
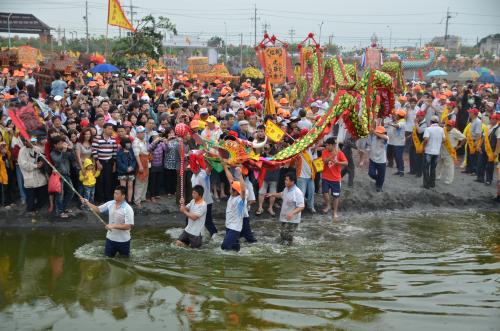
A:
[271,212]
[259,212]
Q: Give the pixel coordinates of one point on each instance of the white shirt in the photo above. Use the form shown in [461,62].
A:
[304,124]
[195,227]
[235,212]
[140,147]
[122,215]
[305,170]
[202,179]
[292,198]
[435,133]
[397,135]
[411,113]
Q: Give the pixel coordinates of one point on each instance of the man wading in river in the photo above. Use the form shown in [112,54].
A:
[291,208]
[121,219]
[196,213]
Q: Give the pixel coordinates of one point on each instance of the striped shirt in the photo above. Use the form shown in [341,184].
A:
[104,148]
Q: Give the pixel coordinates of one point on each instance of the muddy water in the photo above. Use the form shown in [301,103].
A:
[438,272]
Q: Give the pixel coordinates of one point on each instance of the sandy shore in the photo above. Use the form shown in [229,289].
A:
[402,194]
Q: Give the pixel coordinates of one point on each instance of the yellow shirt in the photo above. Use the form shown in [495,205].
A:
[89,178]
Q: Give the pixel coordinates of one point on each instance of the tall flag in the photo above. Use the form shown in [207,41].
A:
[117,17]
[270,108]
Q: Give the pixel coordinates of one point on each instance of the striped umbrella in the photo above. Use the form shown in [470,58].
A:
[469,75]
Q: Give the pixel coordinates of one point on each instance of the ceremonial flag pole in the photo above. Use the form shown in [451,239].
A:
[116,17]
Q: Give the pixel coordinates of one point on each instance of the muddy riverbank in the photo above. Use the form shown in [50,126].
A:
[403,194]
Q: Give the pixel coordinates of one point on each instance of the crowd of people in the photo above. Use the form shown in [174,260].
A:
[110,135]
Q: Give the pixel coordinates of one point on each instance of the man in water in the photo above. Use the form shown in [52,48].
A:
[196,213]
[291,208]
[121,219]
[333,159]
[235,210]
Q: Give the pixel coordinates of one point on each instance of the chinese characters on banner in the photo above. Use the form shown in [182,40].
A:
[275,64]
[117,17]
[273,131]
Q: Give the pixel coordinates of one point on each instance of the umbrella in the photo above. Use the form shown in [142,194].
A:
[104,68]
[484,70]
[486,78]
[437,73]
[469,75]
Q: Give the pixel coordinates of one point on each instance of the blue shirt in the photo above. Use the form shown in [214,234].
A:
[58,87]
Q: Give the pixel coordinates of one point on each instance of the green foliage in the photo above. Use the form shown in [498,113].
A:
[144,43]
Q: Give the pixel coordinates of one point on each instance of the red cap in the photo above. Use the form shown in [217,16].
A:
[420,113]
[473,111]
[495,116]
[249,113]
[84,123]
[233,134]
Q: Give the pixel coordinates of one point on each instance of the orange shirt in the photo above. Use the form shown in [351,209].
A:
[332,172]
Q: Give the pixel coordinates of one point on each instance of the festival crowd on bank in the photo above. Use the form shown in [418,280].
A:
[114,134]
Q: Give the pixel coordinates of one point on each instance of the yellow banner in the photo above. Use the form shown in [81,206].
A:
[117,17]
[274,58]
[318,164]
[270,107]
[273,131]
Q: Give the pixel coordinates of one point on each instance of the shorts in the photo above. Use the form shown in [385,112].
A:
[130,178]
[190,240]
[112,247]
[271,186]
[330,186]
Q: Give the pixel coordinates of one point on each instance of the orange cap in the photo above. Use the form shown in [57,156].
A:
[380,130]
[236,186]
[283,101]
[401,113]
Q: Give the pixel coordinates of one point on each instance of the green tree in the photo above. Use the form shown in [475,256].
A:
[215,42]
[145,42]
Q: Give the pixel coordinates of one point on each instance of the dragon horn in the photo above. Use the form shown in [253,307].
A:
[259,145]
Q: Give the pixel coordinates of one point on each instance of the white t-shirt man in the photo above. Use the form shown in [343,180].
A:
[292,198]
[397,134]
[203,179]
[195,227]
[435,133]
[235,211]
[124,214]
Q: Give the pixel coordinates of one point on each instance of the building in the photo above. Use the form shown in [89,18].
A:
[490,45]
[190,45]
[452,43]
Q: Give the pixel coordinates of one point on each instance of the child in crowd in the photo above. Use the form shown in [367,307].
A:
[88,177]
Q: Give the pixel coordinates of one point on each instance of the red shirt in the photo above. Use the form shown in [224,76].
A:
[332,172]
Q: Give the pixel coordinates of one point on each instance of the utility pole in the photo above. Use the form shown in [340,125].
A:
[86,17]
[64,40]
[320,28]
[255,25]
[265,26]
[330,37]
[131,13]
[225,44]
[241,52]
[291,32]
[420,45]
[448,16]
